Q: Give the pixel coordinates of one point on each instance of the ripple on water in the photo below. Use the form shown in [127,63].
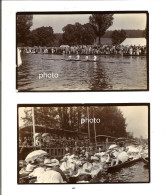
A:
[109,73]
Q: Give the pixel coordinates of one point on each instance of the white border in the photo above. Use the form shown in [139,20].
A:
[156,96]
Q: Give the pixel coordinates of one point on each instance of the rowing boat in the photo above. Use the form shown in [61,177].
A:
[72,60]
[145,159]
[126,54]
[84,60]
[122,165]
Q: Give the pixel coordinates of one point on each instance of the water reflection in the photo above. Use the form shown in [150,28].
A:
[109,73]
[135,173]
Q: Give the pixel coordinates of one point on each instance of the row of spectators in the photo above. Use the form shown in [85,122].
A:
[53,142]
[88,50]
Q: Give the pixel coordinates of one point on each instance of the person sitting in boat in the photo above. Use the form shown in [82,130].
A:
[103,158]
[87,166]
[50,175]
[96,167]
[95,58]
[28,168]
[37,172]
[68,165]
[113,156]
[57,168]
[78,57]
[65,164]
[122,157]
[69,57]
[86,58]
[130,50]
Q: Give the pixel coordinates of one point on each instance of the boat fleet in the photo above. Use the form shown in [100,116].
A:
[38,167]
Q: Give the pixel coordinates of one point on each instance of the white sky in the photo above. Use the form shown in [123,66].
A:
[136,119]
[57,22]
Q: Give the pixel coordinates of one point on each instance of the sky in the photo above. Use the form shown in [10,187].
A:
[136,119]
[57,22]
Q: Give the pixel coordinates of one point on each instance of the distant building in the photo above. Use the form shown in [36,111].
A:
[134,41]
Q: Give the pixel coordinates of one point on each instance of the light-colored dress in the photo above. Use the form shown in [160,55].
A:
[50,176]
[37,172]
[87,166]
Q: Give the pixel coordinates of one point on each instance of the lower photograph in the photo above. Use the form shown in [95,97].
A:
[83,143]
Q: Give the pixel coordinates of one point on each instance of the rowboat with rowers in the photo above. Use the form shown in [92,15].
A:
[75,60]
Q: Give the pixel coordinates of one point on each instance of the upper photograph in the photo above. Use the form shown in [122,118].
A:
[82,51]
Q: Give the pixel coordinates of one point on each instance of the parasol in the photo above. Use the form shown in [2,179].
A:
[112,146]
[45,134]
[132,149]
[37,135]
[34,155]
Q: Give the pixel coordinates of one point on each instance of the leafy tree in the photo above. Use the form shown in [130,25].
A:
[24,22]
[88,36]
[78,34]
[112,122]
[100,23]
[42,36]
[118,36]
[130,33]
[69,34]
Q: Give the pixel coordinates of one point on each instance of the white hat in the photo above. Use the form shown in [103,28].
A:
[51,163]
[112,146]
[94,158]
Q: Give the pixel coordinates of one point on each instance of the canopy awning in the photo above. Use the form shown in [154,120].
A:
[134,41]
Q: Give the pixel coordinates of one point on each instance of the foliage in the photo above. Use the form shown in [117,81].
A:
[24,22]
[42,36]
[112,122]
[100,23]
[78,34]
[118,36]
[130,33]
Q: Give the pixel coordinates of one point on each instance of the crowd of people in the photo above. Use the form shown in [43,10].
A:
[78,167]
[53,141]
[88,50]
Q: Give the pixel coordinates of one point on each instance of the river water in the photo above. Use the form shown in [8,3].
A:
[137,172]
[109,73]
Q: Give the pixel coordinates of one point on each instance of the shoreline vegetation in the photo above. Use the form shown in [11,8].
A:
[95,32]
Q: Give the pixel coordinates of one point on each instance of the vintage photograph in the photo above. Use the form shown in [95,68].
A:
[83,143]
[82,51]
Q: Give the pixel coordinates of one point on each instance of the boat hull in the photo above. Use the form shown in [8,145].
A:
[122,165]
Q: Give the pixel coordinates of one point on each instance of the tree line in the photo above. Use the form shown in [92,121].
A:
[129,33]
[73,34]
[112,122]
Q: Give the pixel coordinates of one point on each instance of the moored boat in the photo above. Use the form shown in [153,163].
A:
[145,159]
[122,165]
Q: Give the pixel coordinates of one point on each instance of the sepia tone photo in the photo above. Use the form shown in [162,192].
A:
[83,143]
[82,51]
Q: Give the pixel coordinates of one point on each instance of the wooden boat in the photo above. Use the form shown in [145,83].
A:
[84,60]
[81,60]
[122,165]
[72,60]
[127,54]
[84,177]
[145,160]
